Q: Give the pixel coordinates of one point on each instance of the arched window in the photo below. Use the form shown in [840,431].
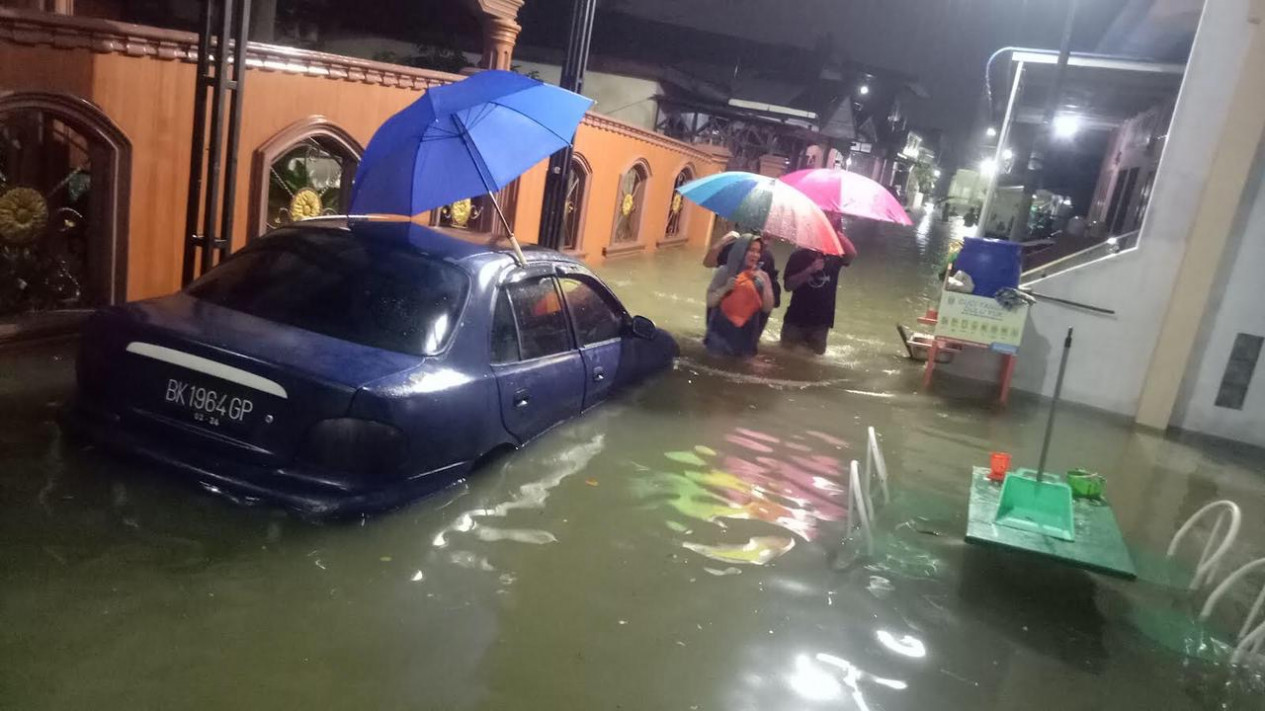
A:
[476,214]
[677,209]
[629,204]
[64,175]
[577,191]
[304,171]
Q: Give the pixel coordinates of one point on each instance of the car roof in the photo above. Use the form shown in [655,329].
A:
[454,245]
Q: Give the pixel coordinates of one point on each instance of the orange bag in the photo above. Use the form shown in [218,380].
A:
[743,302]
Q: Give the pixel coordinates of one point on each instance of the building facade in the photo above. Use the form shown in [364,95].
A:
[96,119]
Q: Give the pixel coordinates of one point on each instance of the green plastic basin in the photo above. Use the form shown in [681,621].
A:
[1041,507]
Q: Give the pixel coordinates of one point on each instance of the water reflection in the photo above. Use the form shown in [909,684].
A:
[905,645]
[750,475]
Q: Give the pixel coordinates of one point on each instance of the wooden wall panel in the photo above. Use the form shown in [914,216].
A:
[45,69]
[152,101]
[531,196]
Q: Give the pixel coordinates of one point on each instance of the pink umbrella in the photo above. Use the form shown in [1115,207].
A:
[846,193]
[758,203]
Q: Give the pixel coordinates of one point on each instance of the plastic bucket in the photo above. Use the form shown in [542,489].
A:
[998,465]
[993,264]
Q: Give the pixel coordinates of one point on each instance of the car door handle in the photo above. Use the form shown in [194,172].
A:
[521,399]
[599,374]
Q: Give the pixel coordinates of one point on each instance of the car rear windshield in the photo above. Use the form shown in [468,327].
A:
[334,283]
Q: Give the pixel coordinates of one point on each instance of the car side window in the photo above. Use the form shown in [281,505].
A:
[504,331]
[542,323]
[596,318]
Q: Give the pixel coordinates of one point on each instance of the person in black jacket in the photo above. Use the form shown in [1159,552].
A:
[813,280]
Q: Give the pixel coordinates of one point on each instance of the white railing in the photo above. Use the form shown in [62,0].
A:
[861,509]
[1226,527]
[1250,639]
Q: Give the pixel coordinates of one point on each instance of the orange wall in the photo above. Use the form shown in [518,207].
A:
[611,149]
[612,153]
[151,100]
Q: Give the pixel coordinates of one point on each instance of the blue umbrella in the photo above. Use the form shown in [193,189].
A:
[464,139]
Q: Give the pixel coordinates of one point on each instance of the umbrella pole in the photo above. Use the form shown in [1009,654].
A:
[518,251]
[465,139]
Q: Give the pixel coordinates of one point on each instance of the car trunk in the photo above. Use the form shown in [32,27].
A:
[189,370]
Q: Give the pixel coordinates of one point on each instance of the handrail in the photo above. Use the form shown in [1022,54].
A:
[1111,245]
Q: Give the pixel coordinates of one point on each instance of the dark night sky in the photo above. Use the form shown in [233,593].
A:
[944,43]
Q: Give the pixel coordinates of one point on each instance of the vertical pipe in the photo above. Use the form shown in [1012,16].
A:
[234,126]
[1036,158]
[553,206]
[197,143]
[1002,138]
[209,214]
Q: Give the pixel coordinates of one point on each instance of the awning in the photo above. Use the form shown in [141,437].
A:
[1102,90]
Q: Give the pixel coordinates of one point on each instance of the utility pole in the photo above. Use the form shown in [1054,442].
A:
[554,206]
[1041,143]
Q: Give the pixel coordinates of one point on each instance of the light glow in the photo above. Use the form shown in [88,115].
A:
[906,645]
[1066,126]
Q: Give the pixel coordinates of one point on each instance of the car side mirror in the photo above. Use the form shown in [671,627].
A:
[642,327]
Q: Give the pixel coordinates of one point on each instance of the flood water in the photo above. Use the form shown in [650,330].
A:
[680,547]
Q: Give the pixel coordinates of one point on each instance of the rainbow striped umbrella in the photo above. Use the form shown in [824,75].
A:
[774,208]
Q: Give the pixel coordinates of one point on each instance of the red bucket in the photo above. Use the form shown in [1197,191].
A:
[998,465]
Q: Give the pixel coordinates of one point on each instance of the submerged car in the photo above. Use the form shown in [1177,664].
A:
[337,367]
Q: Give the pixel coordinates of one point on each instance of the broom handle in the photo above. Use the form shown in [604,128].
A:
[1054,404]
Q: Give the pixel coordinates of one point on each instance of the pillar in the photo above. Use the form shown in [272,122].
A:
[499,36]
[1218,208]
[500,30]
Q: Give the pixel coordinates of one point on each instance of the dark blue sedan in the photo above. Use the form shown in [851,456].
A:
[338,368]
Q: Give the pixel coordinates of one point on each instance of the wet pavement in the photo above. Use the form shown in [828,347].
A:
[678,548]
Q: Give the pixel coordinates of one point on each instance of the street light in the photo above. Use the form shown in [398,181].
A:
[1066,126]
[1007,154]
[863,89]
[991,132]
[935,173]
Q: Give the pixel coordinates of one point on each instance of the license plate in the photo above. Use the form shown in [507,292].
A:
[206,405]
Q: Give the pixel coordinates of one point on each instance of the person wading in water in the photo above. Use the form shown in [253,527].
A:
[719,254]
[813,280]
[738,299]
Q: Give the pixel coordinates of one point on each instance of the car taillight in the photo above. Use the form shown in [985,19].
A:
[347,444]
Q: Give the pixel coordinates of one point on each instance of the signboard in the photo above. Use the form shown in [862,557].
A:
[980,319]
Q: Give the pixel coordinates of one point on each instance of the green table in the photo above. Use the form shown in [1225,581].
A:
[1098,546]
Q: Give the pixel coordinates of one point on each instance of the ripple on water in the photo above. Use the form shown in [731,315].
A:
[793,488]
[531,495]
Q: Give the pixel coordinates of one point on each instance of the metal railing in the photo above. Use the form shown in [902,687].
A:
[1106,248]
